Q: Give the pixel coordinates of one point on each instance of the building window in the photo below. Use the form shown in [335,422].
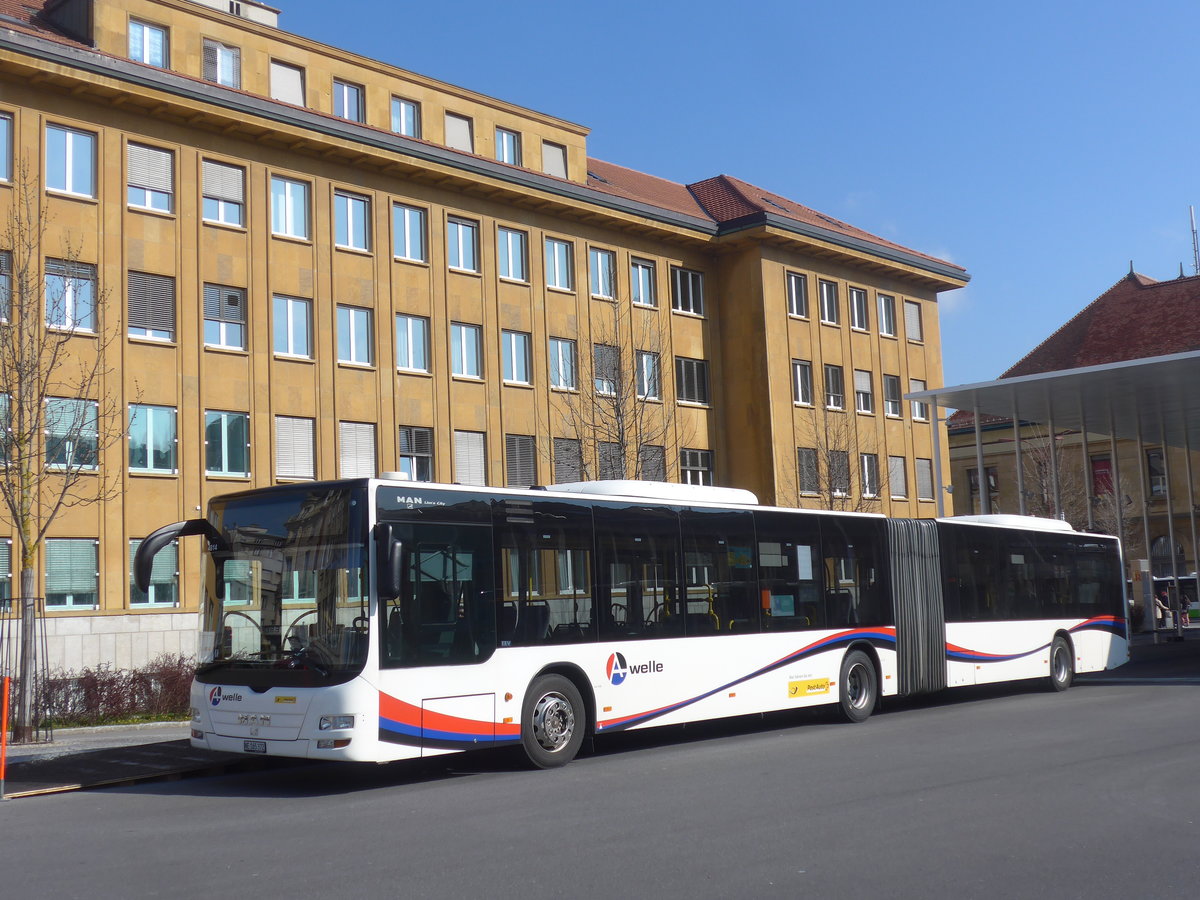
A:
[294,450]
[5,147]
[406,117]
[1156,472]
[695,467]
[562,364]
[292,326]
[891,396]
[224,317]
[835,389]
[839,472]
[1102,476]
[163,589]
[5,284]
[289,207]
[652,462]
[887,315]
[287,83]
[151,178]
[510,254]
[470,460]
[558,264]
[222,64]
[568,460]
[520,460]
[864,395]
[356,450]
[70,161]
[352,220]
[602,273]
[913,328]
[72,576]
[897,478]
[5,573]
[71,435]
[460,133]
[408,227]
[869,463]
[412,343]
[691,380]
[416,453]
[649,382]
[554,159]
[354,336]
[227,443]
[807,472]
[348,101]
[515,347]
[606,360]
[70,295]
[508,146]
[924,468]
[687,291]
[224,193]
[859,314]
[993,480]
[464,351]
[797,295]
[802,383]
[920,409]
[462,244]
[829,302]
[151,306]
[611,459]
[641,277]
[148,44]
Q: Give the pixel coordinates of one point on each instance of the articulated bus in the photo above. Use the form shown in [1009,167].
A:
[379,619]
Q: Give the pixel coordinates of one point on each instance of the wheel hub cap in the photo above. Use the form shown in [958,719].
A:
[553,721]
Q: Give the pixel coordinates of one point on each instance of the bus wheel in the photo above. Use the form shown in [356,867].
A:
[858,687]
[552,722]
[1062,664]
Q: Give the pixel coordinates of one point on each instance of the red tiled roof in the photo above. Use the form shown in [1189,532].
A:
[1136,318]
[610,178]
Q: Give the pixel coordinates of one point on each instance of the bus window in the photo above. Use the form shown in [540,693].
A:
[971,557]
[856,591]
[789,572]
[445,613]
[545,557]
[637,566]
[719,573]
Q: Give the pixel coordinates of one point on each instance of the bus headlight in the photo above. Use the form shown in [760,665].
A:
[195,714]
[335,723]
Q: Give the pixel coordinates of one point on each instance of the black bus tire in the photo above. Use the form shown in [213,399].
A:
[858,687]
[1062,664]
[553,721]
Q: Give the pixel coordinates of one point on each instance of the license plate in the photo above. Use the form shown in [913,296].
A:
[254,746]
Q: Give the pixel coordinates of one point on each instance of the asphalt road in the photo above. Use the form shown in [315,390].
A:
[999,792]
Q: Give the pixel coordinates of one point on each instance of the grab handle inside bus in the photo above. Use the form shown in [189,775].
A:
[389,572]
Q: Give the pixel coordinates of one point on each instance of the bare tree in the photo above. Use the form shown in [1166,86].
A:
[825,469]
[616,416]
[58,411]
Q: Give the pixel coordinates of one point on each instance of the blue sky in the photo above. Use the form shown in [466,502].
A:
[1042,145]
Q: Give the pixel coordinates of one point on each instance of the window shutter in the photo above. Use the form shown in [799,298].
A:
[925,479]
[224,304]
[152,302]
[520,459]
[293,447]
[5,262]
[222,182]
[458,133]
[5,559]
[164,568]
[357,452]
[568,460]
[71,566]
[612,465]
[151,168]
[652,460]
[912,321]
[897,482]
[210,61]
[554,159]
[287,83]
[862,381]
[810,481]
[469,462]
[416,441]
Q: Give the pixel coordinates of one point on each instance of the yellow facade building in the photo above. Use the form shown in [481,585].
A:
[328,266]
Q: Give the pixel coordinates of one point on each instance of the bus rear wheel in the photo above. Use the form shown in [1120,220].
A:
[1062,664]
[858,687]
[553,721]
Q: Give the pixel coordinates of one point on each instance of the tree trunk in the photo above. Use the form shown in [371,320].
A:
[24,728]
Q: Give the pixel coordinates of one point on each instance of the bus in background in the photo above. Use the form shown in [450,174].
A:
[380,619]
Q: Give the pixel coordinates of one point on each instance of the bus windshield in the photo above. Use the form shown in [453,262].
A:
[286,589]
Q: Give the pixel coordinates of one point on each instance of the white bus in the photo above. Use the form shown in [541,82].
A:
[379,619]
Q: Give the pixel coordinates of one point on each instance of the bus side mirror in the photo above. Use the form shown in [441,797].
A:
[389,562]
[143,559]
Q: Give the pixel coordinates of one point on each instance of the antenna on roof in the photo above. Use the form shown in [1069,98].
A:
[1195,243]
